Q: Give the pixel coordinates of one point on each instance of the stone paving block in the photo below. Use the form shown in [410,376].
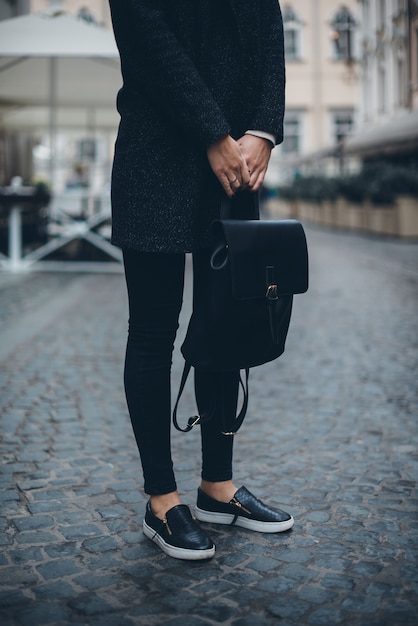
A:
[101,544]
[16,576]
[316,595]
[257,620]
[288,607]
[80,532]
[128,496]
[36,537]
[13,598]
[333,563]
[242,578]
[367,568]
[43,614]
[33,522]
[299,573]
[264,564]
[58,569]
[105,562]
[217,612]
[115,619]
[5,539]
[326,617]
[360,604]
[76,518]
[47,506]
[118,526]
[91,583]
[180,602]
[26,555]
[52,591]
[9,495]
[89,604]
[62,549]
[277,585]
[185,620]
[133,538]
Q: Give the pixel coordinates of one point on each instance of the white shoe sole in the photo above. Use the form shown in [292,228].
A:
[244,522]
[174,551]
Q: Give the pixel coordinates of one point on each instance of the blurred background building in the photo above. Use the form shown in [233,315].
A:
[85,134]
[352,66]
[388,103]
[352,101]
[356,165]
[322,49]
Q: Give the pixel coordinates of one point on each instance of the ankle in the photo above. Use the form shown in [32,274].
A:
[222,491]
[162,503]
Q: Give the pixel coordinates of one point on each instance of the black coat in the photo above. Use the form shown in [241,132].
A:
[193,71]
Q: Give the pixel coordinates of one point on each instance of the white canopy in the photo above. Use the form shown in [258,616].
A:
[56,34]
[87,70]
[60,62]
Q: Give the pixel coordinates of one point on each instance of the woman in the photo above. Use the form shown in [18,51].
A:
[201,107]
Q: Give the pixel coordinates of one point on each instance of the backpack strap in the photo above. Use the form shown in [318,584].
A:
[194,420]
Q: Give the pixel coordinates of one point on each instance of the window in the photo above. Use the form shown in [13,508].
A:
[401,79]
[381,87]
[292,134]
[343,26]
[342,124]
[292,27]
[366,17]
[381,15]
[416,54]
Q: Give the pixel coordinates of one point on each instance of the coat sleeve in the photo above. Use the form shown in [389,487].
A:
[270,111]
[155,64]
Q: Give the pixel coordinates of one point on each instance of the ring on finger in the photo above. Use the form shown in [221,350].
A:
[232,182]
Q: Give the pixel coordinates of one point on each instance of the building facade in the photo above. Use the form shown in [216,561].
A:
[321,44]
[413,53]
[388,107]
[384,59]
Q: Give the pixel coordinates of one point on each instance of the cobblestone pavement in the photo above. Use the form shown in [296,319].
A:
[331,436]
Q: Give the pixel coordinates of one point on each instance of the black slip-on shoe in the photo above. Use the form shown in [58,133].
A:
[243,510]
[178,534]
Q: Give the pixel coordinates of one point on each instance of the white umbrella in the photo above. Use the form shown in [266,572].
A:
[60,61]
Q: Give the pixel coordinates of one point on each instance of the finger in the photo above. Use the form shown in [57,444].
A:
[235,184]
[254,174]
[224,180]
[259,181]
[245,174]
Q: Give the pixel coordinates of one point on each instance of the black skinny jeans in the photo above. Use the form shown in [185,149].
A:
[155,291]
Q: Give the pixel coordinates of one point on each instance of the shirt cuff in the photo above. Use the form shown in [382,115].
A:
[263,135]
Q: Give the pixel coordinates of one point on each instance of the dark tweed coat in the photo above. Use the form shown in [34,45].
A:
[193,71]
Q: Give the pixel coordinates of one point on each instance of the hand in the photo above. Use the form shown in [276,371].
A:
[256,152]
[229,165]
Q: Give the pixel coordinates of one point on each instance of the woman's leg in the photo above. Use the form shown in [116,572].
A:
[155,292]
[217,449]
[219,391]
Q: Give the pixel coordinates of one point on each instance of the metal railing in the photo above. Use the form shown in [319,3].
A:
[71,216]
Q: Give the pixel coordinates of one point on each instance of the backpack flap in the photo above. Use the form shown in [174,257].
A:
[261,255]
